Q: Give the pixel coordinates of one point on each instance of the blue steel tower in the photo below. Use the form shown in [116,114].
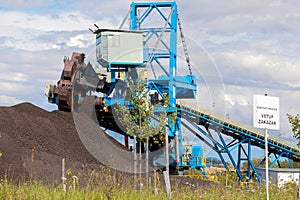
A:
[176,87]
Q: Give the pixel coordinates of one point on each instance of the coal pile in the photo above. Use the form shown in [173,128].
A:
[34,141]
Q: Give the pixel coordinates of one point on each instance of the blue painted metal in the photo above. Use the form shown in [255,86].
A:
[239,158]
[249,161]
[244,135]
[238,144]
[276,160]
[290,148]
[209,136]
[169,53]
[230,155]
[192,158]
[137,24]
[263,161]
[290,162]
[185,88]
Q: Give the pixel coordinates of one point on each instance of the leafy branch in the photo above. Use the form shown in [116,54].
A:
[140,120]
[295,124]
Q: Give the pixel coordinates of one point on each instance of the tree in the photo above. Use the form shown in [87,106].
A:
[140,121]
[295,124]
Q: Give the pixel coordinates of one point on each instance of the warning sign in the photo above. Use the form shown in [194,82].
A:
[266,112]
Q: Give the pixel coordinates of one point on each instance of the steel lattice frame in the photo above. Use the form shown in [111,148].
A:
[169,53]
[241,137]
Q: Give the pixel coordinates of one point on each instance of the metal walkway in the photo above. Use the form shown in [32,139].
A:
[201,123]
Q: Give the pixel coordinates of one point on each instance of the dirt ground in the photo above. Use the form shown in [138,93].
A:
[34,141]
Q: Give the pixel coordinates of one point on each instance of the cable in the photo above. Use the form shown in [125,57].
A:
[186,53]
[124,20]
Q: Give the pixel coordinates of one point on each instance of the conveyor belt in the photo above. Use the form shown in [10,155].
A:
[236,130]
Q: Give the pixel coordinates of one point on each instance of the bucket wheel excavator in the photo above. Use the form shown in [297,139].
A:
[61,94]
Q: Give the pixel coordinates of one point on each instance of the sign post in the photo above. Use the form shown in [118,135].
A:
[267,163]
[266,116]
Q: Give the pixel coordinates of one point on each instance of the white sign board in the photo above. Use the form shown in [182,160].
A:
[266,112]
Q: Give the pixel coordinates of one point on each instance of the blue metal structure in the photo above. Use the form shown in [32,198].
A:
[203,123]
[176,87]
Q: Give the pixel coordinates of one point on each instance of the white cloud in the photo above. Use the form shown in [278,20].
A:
[109,9]
[236,99]
[8,100]
[34,32]
[11,76]
[66,21]
[278,70]
[66,40]
[256,25]
[81,40]
[12,88]
[21,4]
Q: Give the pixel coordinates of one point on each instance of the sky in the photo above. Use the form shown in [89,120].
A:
[252,47]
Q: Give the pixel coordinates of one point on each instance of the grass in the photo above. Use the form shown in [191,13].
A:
[36,190]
